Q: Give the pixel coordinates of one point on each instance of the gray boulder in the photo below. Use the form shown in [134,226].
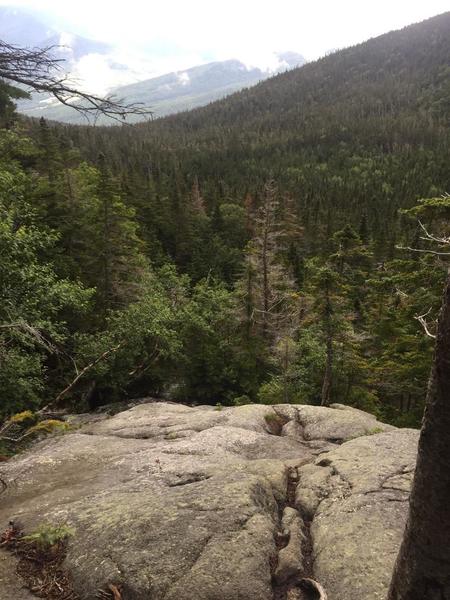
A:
[175,502]
[357,498]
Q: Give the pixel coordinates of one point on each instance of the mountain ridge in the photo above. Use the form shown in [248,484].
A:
[173,92]
[169,93]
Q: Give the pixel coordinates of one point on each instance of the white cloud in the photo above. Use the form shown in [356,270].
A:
[66,40]
[159,37]
[183,78]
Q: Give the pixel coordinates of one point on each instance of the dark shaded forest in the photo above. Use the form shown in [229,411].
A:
[266,248]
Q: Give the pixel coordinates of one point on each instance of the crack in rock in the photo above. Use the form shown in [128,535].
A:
[266,514]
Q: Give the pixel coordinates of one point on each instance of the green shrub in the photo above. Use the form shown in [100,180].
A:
[46,536]
[26,418]
[375,430]
[275,423]
[273,392]
[241,400]
[50,426]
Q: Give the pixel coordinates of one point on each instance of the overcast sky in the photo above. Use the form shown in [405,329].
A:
[181,33]
[237,27]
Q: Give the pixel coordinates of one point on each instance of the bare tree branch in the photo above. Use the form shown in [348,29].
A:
[423,322]
[429,237]
[39,70]
[399,292]
[423,251]
[32,332]
[88,367]
[433,238]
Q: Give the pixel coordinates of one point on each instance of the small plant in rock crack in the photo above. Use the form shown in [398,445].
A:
[40,557]
[375,430]
[47,536]
[274,423]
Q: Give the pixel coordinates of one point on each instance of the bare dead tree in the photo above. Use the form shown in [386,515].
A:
[39,70]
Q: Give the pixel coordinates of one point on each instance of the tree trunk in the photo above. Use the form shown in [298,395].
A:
[327,378]
[285,371]
[422,571]
[328,375]
[408,403]
[266,291]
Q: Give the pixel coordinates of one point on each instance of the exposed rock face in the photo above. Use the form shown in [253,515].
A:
[357,496]
[10,585]
[187,503]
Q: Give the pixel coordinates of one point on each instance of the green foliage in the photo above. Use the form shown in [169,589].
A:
[34,301]
[158,259]
[207,368]
[49,426]
[46,536]
[241,400]
[25,418]
[144,333]
[271,392]
[374,431]
[8,93]
[274,423]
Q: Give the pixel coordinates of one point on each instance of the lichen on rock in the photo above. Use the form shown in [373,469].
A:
[187,502]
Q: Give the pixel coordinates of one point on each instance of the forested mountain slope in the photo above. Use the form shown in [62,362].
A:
[246,251]
[364,130]
[170,93]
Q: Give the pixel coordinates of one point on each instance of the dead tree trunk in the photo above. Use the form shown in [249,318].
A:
[422,571]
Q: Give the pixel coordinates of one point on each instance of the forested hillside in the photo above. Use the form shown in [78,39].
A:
[170,93]
[245,251]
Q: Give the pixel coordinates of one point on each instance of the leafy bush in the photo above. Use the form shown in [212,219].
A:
[241,400]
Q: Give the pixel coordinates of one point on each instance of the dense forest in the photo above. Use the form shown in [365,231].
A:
[265,248]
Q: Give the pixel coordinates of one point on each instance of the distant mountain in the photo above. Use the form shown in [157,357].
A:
[354,136]
[174,92]
[90,61]
[198,86]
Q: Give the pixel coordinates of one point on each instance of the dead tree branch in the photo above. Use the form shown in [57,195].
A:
[423,251]
[83,371]
[423,322]
[432,238]
[39,70]
[32,332]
